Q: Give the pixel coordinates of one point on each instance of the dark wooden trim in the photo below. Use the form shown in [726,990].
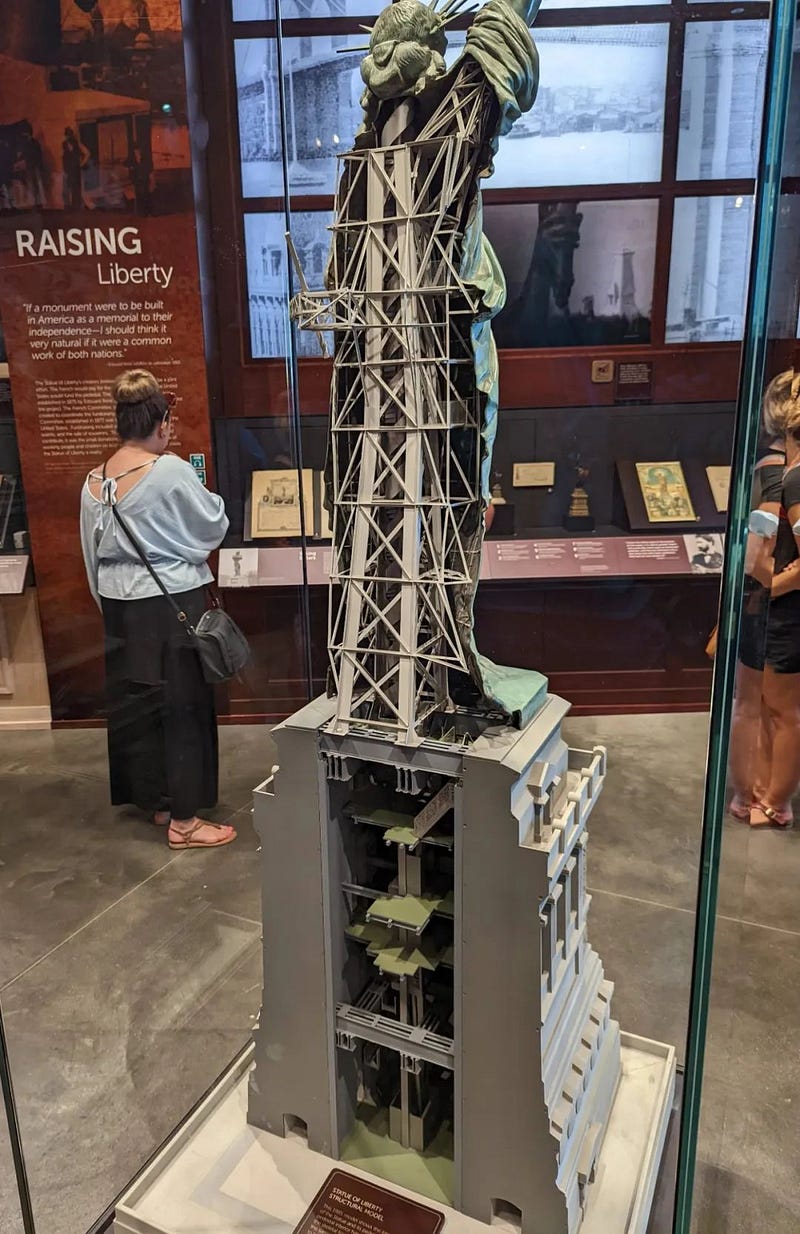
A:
[672,104]
[676,13]
[527,194]
[615,694]
[699,702]
[685,373]
[219,76]
[663,257]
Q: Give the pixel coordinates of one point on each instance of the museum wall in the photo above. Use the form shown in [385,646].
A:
[620,211]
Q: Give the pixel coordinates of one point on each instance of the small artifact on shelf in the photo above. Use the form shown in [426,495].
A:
[579,516]
[719,481]
[665,493]
[500,515]
[497,490]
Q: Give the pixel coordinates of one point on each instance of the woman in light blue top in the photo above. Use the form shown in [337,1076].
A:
[162,729]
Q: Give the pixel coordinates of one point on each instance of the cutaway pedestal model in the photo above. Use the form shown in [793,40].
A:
[429,984]
[433,1010]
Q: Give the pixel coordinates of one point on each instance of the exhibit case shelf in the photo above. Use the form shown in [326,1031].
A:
[488,352]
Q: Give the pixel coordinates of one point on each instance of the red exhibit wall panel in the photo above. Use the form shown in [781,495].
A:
[98,273]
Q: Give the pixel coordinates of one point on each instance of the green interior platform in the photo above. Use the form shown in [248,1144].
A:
[410,911]
[369,1148]
[400,960]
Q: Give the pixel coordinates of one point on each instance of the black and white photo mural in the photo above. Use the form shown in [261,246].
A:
[267,273]
[598,119]
[599,114]
[577,273]
[708,269]
[722,98]
[323,89]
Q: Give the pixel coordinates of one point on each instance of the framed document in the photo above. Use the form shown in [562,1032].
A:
[534,475]
[666,497]
[719,480]
[275,503]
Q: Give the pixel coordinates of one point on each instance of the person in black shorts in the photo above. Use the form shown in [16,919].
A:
[748,746]
[773,794]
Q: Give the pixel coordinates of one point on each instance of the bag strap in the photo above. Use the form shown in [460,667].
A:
[179,613]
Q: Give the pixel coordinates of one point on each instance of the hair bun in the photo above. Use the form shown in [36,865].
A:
[136,385]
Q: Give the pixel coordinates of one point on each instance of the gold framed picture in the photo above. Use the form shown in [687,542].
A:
[275,503]
[666,497]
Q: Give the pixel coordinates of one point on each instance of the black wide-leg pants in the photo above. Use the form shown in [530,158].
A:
[162,724]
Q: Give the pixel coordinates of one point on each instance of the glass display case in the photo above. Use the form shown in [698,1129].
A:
[644,215]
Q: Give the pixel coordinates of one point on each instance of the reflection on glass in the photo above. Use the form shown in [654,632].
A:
[598,118]
[577,272]
[784,298]
[10,1214]
[708,269]
[265,251]
[722,97]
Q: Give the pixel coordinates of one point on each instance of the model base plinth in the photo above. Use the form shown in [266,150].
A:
[219,1175]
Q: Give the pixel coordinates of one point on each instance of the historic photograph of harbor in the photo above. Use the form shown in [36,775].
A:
[598,117]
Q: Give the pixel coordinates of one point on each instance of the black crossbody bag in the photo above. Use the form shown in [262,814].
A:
[220,644]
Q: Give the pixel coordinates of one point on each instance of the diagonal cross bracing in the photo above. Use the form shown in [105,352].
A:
[406,497]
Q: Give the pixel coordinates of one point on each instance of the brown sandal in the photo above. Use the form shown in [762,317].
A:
[775,818]
[184,839]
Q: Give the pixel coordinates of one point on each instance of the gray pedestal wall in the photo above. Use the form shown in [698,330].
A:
[293,1040]
[536,1055]
[523,1010]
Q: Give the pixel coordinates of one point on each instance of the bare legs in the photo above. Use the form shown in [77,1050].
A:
[746,739]
[782,703]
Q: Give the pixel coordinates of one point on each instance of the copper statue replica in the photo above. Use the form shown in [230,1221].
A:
[433,1010]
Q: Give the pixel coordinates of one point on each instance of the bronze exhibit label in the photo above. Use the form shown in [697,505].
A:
[634,381]
[346,1204]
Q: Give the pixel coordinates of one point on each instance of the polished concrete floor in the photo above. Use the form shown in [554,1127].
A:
[129,975]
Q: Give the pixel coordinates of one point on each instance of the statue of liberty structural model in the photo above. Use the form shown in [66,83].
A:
[425,829]
[412,284]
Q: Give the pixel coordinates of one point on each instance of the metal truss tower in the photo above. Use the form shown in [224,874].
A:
[405,424]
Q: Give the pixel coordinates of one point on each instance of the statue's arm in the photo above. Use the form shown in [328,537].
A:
[526,9]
